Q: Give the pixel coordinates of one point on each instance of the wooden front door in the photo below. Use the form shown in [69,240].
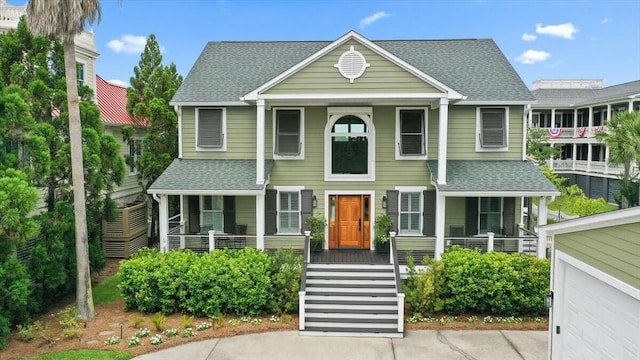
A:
[349,225]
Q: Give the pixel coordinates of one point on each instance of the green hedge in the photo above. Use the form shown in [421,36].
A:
[466,281]
[223,281]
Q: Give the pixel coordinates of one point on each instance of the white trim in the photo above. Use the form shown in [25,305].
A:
[411,189]
[178,110]
[225,139]
[206,192]
[353,96]
[425,128]
[496,102]
[372,211]
[479,147]
[498,193]
[608,219]
[209,103]
[253,95]
[299,156]
[598,274]
[288,189]
[366,115]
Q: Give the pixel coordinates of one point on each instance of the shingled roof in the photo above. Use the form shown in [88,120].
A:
[476,68]
[494,178]
[582,97]
[210,176]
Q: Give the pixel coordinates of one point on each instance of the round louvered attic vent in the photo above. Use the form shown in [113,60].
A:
[352,64]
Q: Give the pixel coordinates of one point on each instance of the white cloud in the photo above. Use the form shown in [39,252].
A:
[565,30]
[130,44]
[533,56]
[529,37]
[606,20]
[119,82]
[373,18]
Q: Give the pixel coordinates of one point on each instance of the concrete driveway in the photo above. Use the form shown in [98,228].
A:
[417,344]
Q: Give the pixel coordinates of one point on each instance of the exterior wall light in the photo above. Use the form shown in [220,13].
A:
[548,300]
[384,201]
[314,201]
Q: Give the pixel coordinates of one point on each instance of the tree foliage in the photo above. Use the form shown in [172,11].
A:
[152,87]
[622,137]
[538,146]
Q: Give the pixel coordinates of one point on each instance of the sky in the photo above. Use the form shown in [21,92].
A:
[541,39]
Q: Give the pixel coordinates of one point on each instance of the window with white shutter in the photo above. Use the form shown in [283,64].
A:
[210,129]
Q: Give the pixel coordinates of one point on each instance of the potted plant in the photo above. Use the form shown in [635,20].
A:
[382,226]
[316,225]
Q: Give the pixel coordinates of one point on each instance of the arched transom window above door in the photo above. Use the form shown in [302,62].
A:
[350,145]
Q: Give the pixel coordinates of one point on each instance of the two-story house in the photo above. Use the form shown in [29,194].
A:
[430,132]
[572,112]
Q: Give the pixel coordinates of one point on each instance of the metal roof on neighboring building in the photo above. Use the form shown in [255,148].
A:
[112,102]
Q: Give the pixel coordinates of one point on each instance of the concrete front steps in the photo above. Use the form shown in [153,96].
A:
[350,300]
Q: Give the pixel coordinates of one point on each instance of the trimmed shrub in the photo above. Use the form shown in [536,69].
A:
[494,283]
[224,281]
[422,287]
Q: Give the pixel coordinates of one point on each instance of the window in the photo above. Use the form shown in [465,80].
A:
[211,213]
[288,134]
[349,145]
[411,133]
[541,119]
[135,150]
[582,151]
[490,215]
[289,212]
[492,128]
[210,129]
[566,152]
[564,119]
[80,74]
[410,213]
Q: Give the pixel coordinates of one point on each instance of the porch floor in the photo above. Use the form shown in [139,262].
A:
[349,256]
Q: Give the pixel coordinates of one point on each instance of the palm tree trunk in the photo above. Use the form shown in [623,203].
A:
[84,297]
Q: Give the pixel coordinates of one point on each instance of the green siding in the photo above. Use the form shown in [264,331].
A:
[382,76]
[416,243]
[614,250]
[454,213]
[284,242]
[246,212]
[240,136]
[129,184]
[461,143]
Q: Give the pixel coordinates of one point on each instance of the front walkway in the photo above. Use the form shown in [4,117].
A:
[417,344]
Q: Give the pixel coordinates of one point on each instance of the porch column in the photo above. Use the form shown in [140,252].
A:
[589,154]
[260,143]
[440,210]
[442,141]
[260,222]
[590,121]
[574,153]
[163,215]
[575,122]
[630,106]
[542,220]
[608,112]
[553,118]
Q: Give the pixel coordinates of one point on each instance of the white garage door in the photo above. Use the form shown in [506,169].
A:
[595,320]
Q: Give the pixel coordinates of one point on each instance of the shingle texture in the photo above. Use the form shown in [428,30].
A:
[195,175]
[583,97]
[493,175]
[476,68]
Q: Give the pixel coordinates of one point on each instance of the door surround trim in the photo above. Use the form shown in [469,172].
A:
[372,195]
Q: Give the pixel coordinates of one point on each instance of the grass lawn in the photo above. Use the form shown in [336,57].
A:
[564,204]
[107,291]
[85,354]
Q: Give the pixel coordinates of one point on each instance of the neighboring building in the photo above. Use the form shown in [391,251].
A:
[595,285]
[112,102]
[572,112]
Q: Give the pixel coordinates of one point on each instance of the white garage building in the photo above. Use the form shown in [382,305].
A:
[595,280]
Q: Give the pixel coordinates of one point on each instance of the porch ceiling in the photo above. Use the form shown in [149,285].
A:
[210,176]
[493,178]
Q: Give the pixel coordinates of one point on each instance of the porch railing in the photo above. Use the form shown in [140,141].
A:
[178,240]
[302,293]
[526,242]
[393,259]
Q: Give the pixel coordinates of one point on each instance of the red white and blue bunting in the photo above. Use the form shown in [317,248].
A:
[554,133]
[581,132]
